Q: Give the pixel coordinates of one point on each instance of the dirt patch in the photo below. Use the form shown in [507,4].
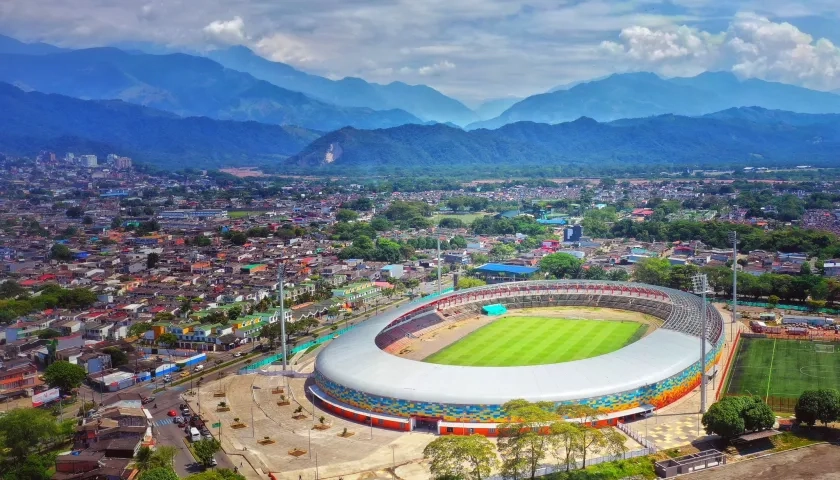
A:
[817,462]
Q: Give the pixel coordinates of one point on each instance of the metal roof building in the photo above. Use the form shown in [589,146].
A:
[357,375]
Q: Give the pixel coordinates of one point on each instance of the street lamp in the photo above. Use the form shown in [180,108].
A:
[700,283]
[733,237]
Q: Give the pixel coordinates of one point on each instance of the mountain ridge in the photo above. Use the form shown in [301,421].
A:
[31,121]
[184,84]
[742,136]
[420,100]
[644,94]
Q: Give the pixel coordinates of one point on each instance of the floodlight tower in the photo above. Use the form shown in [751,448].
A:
[281,277]
[733,237]
[701,286]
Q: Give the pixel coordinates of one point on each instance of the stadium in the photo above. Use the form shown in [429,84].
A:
[366,375]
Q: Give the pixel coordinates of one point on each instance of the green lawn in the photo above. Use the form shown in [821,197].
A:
[242,213]
[516,341]
[466,218]
[782,369]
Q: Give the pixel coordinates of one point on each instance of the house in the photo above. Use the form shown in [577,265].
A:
[16,376]
[392,271]
[832,268]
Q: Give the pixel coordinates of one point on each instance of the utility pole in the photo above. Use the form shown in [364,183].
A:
[733,236]
[700,282]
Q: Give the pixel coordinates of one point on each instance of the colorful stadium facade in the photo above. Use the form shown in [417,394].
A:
[357,377]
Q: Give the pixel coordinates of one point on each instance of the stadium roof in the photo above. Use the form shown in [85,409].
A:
[354,361]
[502,268]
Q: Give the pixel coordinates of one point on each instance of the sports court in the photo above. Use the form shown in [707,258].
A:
[783,369]
[518,341]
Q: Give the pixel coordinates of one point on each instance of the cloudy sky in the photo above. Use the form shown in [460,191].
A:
[470,49]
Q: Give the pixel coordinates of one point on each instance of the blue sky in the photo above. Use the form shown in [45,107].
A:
[471,49]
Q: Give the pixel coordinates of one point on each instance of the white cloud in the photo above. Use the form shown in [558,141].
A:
[281,47]
[231,32]
[752,46]
[436,68]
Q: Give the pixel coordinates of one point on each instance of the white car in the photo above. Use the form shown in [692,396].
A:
[237,354]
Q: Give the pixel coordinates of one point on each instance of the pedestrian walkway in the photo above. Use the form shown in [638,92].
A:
[162,422]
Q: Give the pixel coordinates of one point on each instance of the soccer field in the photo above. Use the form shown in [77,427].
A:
[517,341]
[783,369]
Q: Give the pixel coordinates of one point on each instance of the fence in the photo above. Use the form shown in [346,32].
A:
[732,350]
[798,308]
[549,469]
[648,444]
[254,367]
[433,295]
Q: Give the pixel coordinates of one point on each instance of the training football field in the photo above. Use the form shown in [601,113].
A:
[517,341]
[783,369]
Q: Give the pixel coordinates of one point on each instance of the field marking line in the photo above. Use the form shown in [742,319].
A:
[770,374]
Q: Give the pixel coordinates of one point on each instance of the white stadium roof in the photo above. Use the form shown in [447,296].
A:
[354,361]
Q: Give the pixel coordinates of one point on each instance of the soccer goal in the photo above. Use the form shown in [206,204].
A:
[823,348]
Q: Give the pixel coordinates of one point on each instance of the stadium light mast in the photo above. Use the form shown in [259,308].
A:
[701,286]
[438,265]
[733,237]
[281,277]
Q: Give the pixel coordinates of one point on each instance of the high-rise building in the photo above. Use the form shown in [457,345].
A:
[89,161]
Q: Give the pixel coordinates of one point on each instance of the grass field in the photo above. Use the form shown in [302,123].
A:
[516,341]
[466,218]
[242,214]
[782,369]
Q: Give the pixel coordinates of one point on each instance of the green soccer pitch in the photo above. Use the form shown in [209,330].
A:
[518,341]
[783,369]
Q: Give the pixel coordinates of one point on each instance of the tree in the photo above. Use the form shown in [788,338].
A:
[238,238]
[470,282]
[10,289]
[118,356]
[152,260]
[23,429]
[521,444]
[87,220]
[561,265]
[220,474]
[564,439]
[451,222]
[618,275]
[818,405]
[588,436]
[205,449]
[159,473]
[138,329]
[501,252]
[64,375]
[442,454]
[168,340]
[772,301]
[344,215]
[732,416]
[653,271]
[34,467]
[74,212]
[61,252]
[234,313]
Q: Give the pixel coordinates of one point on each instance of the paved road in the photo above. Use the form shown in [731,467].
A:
[168,433]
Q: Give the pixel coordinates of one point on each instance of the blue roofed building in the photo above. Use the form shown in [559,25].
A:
[500,272]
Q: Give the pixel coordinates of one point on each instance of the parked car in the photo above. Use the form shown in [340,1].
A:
[207,436]
[146,400]
[237,354]
[172,413]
